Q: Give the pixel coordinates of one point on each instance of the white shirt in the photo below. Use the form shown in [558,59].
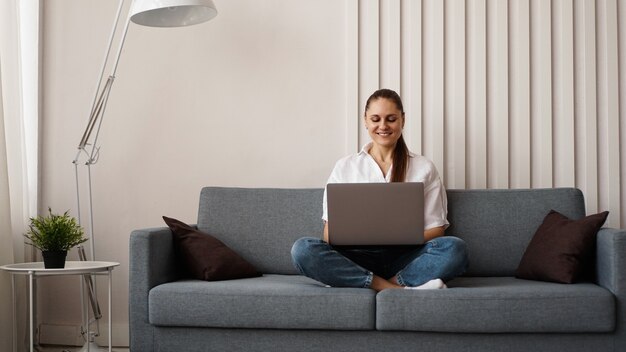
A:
[362,168]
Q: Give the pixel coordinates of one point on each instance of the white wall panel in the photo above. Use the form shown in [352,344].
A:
[563,93]
[621,15]
[390,39]
[369,57]
[586,148]
[507,94]
[608,110]
[519,93]
[541,93]
[476,85]
[433,82]
[454,88]
[351,65]
[411,18]
[497,94]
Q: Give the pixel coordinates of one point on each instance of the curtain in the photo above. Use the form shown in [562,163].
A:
[19,120]
[6,251]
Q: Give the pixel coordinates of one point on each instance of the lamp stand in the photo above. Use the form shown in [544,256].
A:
[155,13]
[90,150]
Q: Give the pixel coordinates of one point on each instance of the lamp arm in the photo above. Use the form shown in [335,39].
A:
[96,117]
[102,93]
[96,112]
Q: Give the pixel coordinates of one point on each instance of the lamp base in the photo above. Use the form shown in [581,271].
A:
[93,347]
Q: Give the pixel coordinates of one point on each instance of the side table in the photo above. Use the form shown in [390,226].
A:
[36,269]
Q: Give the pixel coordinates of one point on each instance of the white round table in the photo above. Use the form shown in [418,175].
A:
[36,269]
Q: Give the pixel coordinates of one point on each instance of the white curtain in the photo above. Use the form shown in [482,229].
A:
[19,120]
[6,250]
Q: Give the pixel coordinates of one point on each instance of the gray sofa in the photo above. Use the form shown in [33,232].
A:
[487,309]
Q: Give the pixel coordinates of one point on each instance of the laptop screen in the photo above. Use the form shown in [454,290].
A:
[375,213]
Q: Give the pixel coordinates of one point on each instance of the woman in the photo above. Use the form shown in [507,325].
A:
[387,159]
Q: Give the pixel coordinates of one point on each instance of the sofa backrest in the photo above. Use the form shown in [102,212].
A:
[497,225]
[262,224]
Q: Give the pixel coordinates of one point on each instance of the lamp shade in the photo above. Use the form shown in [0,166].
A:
[172,13]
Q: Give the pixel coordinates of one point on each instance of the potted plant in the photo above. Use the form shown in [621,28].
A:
[54,235]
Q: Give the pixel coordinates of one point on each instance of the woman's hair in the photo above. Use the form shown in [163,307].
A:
[401,152]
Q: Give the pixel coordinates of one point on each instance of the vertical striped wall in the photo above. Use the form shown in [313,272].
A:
[501,94]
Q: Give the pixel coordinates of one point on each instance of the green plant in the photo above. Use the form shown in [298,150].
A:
[55,232]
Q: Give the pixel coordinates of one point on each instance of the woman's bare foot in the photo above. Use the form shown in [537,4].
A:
[378,284]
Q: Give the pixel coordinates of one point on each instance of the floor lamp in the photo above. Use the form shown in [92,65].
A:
[154,13]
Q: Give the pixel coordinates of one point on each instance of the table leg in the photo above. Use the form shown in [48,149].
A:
[110,317]
[30,307]
[85,311]
[14,314]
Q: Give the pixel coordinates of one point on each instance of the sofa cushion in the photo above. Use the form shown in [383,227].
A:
[206,257]
[262,224]
[506,220]
[561,249]
[271,301]
[498,305]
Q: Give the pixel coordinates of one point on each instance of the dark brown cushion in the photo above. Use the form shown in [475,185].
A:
[561,249]
[206,257]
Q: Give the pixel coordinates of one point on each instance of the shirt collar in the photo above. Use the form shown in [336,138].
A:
[366,148]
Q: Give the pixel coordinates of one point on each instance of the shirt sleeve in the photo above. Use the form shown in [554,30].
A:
[325,208]
[435,202]
[333,178]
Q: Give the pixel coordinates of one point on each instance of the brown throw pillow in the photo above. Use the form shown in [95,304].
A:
[561,248]
[206,257]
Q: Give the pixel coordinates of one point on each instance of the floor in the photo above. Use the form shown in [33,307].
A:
[51,348]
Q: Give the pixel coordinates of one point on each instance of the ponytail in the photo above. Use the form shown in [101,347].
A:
[400,161]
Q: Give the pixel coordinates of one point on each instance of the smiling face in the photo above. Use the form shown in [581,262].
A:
[384,122]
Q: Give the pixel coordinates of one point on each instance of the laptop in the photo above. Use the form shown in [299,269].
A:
[381,214]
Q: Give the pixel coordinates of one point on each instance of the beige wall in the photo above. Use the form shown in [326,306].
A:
[500,94]
[255,97]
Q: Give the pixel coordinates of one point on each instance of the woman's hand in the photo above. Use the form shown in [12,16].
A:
[325,231]
[433,233]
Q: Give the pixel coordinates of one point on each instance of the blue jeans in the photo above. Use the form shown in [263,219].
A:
[443,257]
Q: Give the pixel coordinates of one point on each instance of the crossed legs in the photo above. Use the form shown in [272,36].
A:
[441,258]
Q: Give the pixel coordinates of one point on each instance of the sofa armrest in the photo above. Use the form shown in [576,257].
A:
[611,274]
[152,262]
[611,260]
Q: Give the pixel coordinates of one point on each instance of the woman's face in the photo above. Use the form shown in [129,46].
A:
[384,122]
